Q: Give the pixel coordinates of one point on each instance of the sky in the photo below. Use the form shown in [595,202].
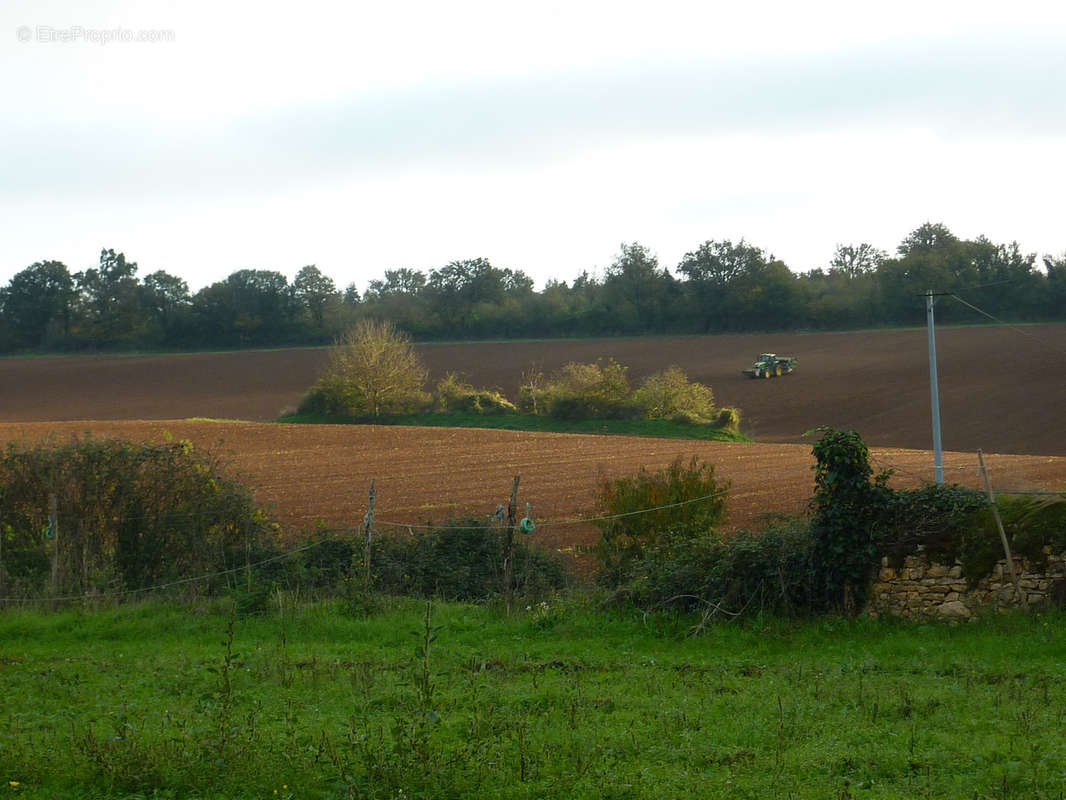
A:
[201,137]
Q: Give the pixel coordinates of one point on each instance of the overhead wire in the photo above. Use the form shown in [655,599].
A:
[1005,324]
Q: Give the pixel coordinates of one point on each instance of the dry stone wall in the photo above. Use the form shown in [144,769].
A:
[923,589]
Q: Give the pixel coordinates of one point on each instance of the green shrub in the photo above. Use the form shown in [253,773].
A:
[670,395]
[1034,523]
[459,560]
[849,517]
[654,511]
[373,371]
[128,515]
[953,522]
[587,391]
[934,517]
[728,419]
[742,573]
[454,396]
[602,391]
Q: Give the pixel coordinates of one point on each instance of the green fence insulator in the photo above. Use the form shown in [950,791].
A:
[526,524]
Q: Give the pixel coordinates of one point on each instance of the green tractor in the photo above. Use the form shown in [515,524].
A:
[771,365]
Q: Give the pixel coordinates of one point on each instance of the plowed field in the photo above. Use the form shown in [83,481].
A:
[309,473]
[1001,389]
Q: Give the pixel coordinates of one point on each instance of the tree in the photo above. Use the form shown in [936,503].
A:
[110,297]
[739,287]
[855,260]
[166,298]
[470,295]
[930,257]
[928,237]
[250,307]
[36,304]
[313,291]
[637,291]
[1055,295]
[711,274]
[373,371]
[403,281]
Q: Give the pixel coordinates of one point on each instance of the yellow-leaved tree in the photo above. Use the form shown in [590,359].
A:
[373,371]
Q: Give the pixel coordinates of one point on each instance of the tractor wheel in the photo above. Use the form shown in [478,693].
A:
[777,370]
[766,372]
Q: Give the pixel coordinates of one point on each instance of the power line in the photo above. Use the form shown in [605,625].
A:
[1007,324]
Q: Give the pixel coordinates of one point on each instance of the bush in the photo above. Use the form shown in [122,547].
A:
[670,395]
[586,391]
[602,391]
[128,515]
[373,371]
[728,419]
[742,573]
[954,522]
[849,517]
[655,511]
[460,560]
[933,517]
[454,396]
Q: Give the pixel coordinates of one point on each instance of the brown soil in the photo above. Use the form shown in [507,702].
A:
[310,473]
[1002,389]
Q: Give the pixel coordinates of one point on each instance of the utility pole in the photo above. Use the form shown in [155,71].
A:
[934,390]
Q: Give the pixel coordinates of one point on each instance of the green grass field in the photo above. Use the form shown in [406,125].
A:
[663,428]
[552,701]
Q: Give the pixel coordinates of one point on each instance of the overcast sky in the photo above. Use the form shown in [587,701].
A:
[367,136]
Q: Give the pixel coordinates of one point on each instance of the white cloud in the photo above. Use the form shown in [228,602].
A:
[366,136]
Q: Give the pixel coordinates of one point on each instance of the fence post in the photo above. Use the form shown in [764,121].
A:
[508,545]
[999,525]
[53,534]
[368,525]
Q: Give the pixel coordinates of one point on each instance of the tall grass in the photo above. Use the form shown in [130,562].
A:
[555,700]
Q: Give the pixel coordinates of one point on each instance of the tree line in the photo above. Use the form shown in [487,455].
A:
[720,287]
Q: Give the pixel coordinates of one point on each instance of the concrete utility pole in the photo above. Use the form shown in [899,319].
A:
[934,390]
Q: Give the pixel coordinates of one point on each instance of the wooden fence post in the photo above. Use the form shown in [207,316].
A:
[368,525]
[999,525]
[53,533]
[508,545]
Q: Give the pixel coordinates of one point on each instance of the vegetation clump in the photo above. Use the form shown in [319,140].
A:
[456,396]
[373,371]
[653,514]
[660,547]
[460,559]
[98,515]
[659,544]
[602,390]
[374,374]
[581,391]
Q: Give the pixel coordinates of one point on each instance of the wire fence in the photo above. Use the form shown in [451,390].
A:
[878,461]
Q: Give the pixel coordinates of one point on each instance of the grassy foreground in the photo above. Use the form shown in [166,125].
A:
[663,428]
[552,701]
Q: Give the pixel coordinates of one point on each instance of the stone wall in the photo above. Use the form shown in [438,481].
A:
[923,589]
